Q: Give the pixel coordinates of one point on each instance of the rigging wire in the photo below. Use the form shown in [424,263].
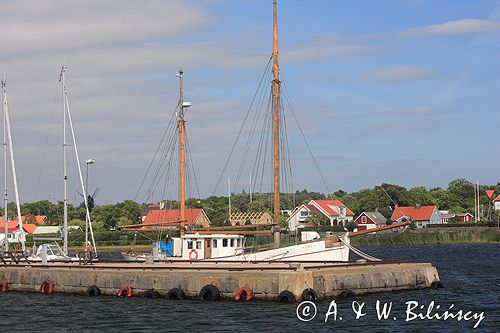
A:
[44,153]
[287,98]
[241,127]
[154,156]
[191,163]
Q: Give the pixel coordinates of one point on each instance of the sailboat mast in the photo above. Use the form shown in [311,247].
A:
[4,154]
[14,175]
[88,221]
[65,166]
[276,87]
[182,163]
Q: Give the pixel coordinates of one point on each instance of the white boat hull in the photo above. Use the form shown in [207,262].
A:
[311,251]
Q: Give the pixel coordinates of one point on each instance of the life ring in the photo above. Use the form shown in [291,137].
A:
[209,293]
[87,247]
[4,285]
[151,293]
[125,291]
[309,294]
[193,251]
[176,294]
[93,290]
[244,294]
[47,287]
[285,297]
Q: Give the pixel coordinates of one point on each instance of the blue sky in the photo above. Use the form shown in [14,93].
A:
[403,92]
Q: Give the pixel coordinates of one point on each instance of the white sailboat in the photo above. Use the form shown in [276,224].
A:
[19,235]
[54,252]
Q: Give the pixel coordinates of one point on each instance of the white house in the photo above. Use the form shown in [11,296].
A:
[496,202]
[331,210]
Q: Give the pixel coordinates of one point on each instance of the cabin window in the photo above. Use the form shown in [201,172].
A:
[232,242]
[238,242]
[190,245]
[208,243]
[363,219]
[224,242]
[198,245]
[215,243]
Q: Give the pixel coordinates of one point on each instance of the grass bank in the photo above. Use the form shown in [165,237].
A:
[416,238]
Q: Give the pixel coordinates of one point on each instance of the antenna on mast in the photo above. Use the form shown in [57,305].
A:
[181,125]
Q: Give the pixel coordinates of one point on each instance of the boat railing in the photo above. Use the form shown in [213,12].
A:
[10,258]
[86,257]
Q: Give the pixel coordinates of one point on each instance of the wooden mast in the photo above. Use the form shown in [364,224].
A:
[182,184]
[276,121]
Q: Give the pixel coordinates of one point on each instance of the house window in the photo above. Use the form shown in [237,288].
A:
[232,242]
[363,219]
[198,245]
[190,245]
[215,243]
[304,213]
[224,242]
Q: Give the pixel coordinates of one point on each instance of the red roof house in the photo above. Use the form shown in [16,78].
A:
[38,219]
[13,226]
[332,210]
[195,216]
[421,215]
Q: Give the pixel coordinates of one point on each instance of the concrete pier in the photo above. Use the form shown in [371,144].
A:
[265,279]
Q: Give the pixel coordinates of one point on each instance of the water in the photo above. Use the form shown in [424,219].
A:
[470,275]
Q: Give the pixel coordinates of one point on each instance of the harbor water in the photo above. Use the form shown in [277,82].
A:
[470,275]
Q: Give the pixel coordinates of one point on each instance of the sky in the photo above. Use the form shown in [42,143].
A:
[397,91]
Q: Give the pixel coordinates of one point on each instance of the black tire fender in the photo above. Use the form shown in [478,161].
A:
[209,293]
[285,297]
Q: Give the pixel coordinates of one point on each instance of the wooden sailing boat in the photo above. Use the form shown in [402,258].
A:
[222,244]
[227,243]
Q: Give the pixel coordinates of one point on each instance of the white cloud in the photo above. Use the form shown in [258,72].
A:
[451,28]
[398,74]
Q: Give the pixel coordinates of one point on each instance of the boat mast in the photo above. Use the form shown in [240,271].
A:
[182,183]
[88,222]
[13,167]
[65,166]
[4,154]
[276,87]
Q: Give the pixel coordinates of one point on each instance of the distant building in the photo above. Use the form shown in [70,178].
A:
[157,217]
[37,219]
[250,218]
[421,215]
[331,210]
[496,202]
[370,220]
[447,216]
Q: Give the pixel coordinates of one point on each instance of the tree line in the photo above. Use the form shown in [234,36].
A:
[457,197]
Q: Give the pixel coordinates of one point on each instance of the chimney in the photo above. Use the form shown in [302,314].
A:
[417,206]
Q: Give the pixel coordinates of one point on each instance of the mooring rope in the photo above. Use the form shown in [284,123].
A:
[359,252]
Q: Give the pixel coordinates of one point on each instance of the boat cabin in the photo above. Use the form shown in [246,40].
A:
[196,246]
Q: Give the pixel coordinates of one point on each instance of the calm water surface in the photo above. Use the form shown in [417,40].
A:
[470,275]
